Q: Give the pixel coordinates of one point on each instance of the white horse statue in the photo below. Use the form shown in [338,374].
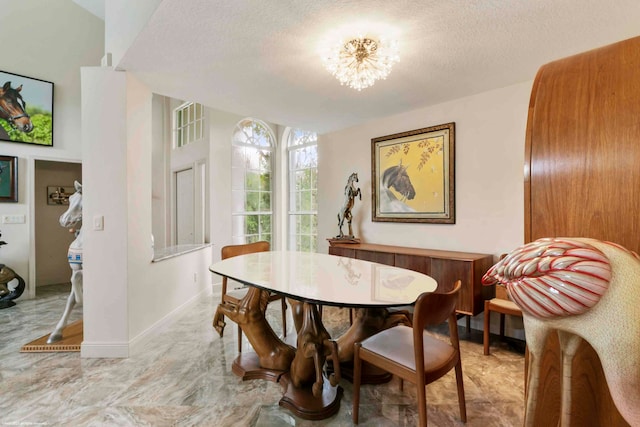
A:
[71,217]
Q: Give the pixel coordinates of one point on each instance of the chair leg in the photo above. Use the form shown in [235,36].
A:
[218,322]
[284,316]
[351,316]
[501,325]
[487,326]
[461,400]
[239,339]
[422,402]
[401,384]
[357,372]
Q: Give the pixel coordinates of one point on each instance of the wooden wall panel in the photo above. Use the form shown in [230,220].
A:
[583,144]
[582,179]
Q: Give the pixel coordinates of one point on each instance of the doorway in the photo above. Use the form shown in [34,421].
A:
[52,180]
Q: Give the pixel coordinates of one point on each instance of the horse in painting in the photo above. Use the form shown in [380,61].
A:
[13,108]
[69,219]
[396,178]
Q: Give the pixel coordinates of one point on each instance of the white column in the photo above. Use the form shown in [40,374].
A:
[104,171]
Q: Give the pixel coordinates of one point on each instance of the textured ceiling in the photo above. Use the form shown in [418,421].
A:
[261,58]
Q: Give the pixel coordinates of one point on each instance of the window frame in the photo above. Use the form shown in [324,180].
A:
[292,232]
[189,129]
[235,187]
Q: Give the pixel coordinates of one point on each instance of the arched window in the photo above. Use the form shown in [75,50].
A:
[251,188]
[302,150]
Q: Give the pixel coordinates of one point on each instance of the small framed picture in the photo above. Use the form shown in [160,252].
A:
[57,195]
[8,179]
[26,110]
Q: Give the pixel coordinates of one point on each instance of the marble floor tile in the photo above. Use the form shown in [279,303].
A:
[184,378]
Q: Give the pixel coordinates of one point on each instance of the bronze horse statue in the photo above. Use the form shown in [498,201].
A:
[350,193]
[13,108]
[9,293]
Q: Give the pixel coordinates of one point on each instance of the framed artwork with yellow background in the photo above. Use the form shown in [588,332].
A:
[413,176]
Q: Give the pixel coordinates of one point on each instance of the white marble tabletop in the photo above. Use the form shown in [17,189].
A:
[327,279]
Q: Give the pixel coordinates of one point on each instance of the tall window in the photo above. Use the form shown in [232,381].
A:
[251,190]
[187,123]
[302,148]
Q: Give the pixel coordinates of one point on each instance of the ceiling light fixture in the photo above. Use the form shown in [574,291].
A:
[359,62]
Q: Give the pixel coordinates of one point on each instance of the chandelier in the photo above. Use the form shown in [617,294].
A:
[359,62]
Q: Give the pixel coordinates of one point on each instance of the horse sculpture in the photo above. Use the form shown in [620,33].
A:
[13,108]
[396,177]
[71,217]
[583,289]
[350,193]
[9,293]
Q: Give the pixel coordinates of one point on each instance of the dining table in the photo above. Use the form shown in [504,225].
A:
[310,280]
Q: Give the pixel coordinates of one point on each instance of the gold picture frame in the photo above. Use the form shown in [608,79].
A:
[413,176]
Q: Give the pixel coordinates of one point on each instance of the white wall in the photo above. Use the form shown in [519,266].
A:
[123,21]
[490,136]
[221,126]
[489,187]
[154,289]
[48,42]
[126,295]
[105,194]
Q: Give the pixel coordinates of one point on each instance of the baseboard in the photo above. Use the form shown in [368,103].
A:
[104,350]
[216,288]
[137,344]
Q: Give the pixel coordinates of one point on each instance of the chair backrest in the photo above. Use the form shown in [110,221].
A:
[235,250]
[501,291]
[433,309]
[248,248]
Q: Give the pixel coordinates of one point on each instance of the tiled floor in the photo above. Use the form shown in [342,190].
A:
[184,379]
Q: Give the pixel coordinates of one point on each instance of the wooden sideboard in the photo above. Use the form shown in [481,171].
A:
[444,266]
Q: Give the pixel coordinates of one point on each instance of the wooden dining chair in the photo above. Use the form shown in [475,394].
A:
[234,296]
[413,355]
[501,304]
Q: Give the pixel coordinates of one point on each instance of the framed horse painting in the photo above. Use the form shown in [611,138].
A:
[413,176]
[26,110]
[8,179]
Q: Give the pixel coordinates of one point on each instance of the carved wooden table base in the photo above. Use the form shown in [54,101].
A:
[307,392]
[303,402]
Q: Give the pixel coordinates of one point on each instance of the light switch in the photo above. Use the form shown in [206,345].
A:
[13,219]
[98,222]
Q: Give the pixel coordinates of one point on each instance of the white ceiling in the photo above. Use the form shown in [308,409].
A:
[261,58]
